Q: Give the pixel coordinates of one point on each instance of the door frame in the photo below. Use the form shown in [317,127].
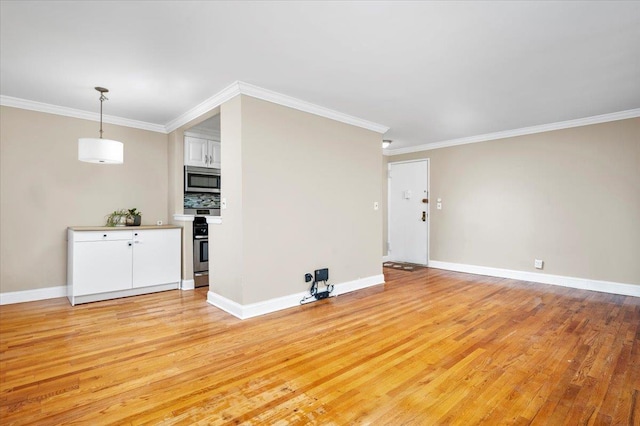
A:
[428,161]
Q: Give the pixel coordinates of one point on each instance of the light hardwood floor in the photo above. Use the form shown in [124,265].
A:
[429,347]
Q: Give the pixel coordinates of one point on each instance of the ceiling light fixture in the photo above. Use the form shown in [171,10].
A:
[98,150]
[386,143]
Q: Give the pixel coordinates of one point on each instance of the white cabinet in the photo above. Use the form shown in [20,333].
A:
[156,257]
[94,263]
[214,149]
[201,152]
[105,264]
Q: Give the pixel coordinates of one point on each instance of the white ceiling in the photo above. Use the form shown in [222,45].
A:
[431,71]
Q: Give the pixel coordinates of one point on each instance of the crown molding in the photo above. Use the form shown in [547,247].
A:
[77,113]
[234,89]
[597,119]
[215,101]
[242,88]
[288,101]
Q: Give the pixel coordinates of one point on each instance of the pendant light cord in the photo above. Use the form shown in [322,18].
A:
[103,98]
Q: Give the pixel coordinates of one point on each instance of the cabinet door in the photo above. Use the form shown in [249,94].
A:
[156,257]
[196,152]
[214,149]
[101,266]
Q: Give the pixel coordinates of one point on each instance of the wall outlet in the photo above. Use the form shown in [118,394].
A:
[538,263]
[159,223]
[321,274]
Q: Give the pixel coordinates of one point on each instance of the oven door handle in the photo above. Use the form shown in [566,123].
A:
[201,237]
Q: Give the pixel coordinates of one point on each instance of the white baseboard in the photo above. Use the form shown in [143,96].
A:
[32,295]
[359,284]
[272,305]
[134,291]
[579,283]
[187,285]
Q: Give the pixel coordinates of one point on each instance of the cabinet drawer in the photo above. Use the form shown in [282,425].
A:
[79,236]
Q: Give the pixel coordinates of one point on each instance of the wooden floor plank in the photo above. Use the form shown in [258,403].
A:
[428,347]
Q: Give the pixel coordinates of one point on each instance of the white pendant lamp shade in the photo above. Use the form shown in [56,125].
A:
[102,151]
[98,150]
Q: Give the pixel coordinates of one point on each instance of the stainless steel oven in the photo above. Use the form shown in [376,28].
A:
[201,179]
[200,245]
[201,255]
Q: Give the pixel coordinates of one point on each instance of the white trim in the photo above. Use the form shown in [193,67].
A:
[604,118]
[134,291]
[32,295]
[215,101]
[272,305]
[241,88]
[291,102]
[359,284]
[214,220]
[187,285]
[183,217]
[579,283]
[234,89]
[76,113]
[213,135]
[227,305]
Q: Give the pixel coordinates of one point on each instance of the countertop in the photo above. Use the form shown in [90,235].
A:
[122,228]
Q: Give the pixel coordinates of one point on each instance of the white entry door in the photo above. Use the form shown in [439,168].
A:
[408,212]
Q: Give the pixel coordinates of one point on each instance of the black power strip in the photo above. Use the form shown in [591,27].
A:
[322,295]
[319,276]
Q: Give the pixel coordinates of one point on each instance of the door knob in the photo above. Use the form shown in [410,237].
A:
[424,216]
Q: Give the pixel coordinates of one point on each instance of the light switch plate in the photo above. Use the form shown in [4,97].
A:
[223,203]
[439,206]
[375,205]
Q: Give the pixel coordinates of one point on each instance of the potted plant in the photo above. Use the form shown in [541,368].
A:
[134,217]
[117,218]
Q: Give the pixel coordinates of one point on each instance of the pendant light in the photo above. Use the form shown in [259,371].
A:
[98,150]
[386,143]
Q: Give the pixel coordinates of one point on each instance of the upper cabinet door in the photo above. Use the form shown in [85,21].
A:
[196,152]
[214,149]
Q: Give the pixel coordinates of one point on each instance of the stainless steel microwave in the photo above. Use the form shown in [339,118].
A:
[201,179]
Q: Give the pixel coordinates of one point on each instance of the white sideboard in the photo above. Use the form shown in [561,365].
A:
[106,263]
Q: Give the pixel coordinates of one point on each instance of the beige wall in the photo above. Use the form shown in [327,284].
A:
[300,196]
[570,197]
[44,189]
[226,240]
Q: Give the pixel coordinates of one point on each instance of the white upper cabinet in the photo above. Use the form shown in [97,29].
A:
[215,154]
[201,152]
[196,152]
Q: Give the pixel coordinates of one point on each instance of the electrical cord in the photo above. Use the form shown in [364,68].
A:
[313,291]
